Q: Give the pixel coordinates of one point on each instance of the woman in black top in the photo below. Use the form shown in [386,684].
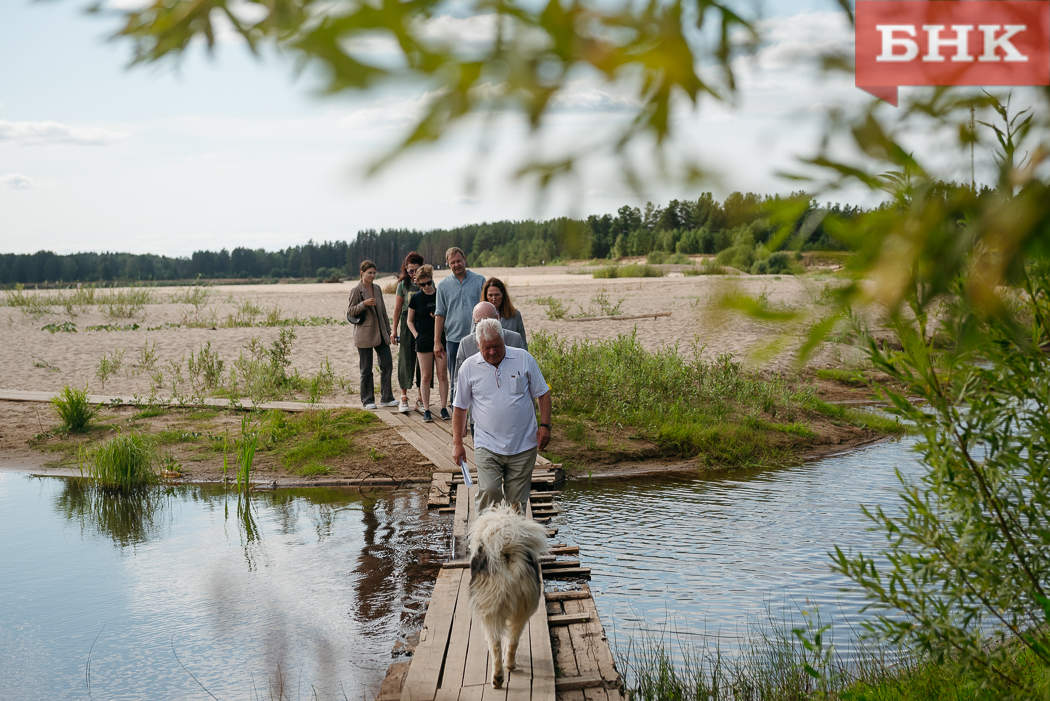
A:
[421,323]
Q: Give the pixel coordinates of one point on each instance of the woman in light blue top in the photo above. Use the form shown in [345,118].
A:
[495,292]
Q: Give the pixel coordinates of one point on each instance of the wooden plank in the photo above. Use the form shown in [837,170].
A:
[456,565]
[565,657]
[456,657]
[519,682]
[564,549]
[459,524]
[566,619]
[584,593]
[441,456]
[472,693]
[394,680]
[597,645]
[477,671]
[581,641]
[422,679]
[559,573]
[432,446]
[595,694]
[555,564]
[542,656]
[570,683]
[619,317]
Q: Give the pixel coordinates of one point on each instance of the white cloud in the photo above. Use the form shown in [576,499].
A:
[50,133]
[17,181]
[790,42]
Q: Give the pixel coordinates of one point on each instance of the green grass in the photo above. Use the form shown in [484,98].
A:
[312,436]
[630,270]
[73,408]
[151,411]
[175,435]
[876,421]
[313,469]
[123,463]
[687,404]
[847,377]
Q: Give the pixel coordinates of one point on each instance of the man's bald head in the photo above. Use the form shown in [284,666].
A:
[485,310]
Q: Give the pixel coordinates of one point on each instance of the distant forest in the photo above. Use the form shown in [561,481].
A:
[689,227]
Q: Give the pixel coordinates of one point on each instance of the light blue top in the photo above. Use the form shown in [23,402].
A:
[455,302]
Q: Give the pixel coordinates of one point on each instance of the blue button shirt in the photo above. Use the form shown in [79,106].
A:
[455,302]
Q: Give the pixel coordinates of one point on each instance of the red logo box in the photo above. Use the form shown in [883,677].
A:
[944,42]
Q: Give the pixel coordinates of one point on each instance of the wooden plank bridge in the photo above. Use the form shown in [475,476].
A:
[563,654]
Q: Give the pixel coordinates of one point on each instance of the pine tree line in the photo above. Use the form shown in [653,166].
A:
[697,226]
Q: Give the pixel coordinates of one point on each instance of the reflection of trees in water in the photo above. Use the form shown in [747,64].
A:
[127,518]
[399,560]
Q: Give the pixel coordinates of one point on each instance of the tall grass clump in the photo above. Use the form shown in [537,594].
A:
[73,408]
[123,463]
[630,270]
[246,447]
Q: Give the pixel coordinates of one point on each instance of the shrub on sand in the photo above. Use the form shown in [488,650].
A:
[73,408]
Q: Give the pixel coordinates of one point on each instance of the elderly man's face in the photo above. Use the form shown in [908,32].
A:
[492,350]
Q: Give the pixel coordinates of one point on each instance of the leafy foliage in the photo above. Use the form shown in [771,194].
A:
[526,56]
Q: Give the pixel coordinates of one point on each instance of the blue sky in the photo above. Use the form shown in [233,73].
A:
[236,151]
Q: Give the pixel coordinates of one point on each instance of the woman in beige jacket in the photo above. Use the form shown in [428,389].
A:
[372,334]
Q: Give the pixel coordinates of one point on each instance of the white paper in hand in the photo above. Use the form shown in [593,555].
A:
[466,473]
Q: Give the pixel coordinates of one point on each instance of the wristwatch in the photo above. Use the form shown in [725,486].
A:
[549,427]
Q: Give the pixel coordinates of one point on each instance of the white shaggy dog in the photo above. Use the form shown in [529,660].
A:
[505,584]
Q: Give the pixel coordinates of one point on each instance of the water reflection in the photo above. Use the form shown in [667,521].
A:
[249,593]
[128,518]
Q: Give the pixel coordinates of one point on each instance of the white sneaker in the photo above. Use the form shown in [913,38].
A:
[392,402]
[404,408]
[370,405]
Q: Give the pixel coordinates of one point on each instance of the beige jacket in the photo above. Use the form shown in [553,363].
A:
[375,329]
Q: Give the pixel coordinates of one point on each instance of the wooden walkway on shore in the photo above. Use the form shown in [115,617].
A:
[563,653]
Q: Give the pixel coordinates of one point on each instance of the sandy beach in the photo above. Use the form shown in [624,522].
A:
[45,361]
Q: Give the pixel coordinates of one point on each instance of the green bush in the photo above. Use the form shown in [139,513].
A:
[73,408]
[776,264]
[123,463]
[631,270]
[656,258]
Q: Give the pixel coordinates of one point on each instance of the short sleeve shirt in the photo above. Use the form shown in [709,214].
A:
[424,305]
[456,300]
[500,400]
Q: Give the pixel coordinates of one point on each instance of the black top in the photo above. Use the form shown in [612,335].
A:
[424,305]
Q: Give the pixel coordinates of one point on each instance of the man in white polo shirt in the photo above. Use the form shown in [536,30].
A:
[498,385]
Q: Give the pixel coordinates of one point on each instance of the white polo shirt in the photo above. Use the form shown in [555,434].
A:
[500,400]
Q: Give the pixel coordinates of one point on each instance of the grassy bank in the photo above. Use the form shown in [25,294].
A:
[687,405]
[781,662]
[194,443]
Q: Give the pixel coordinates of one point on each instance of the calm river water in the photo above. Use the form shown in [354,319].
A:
[127,600]
[120,596]
[688,559]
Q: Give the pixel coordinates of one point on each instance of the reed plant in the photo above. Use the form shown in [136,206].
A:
[247,444]
[124,463]
[73,408]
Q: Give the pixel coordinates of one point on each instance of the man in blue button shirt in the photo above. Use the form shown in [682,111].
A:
[456,296]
